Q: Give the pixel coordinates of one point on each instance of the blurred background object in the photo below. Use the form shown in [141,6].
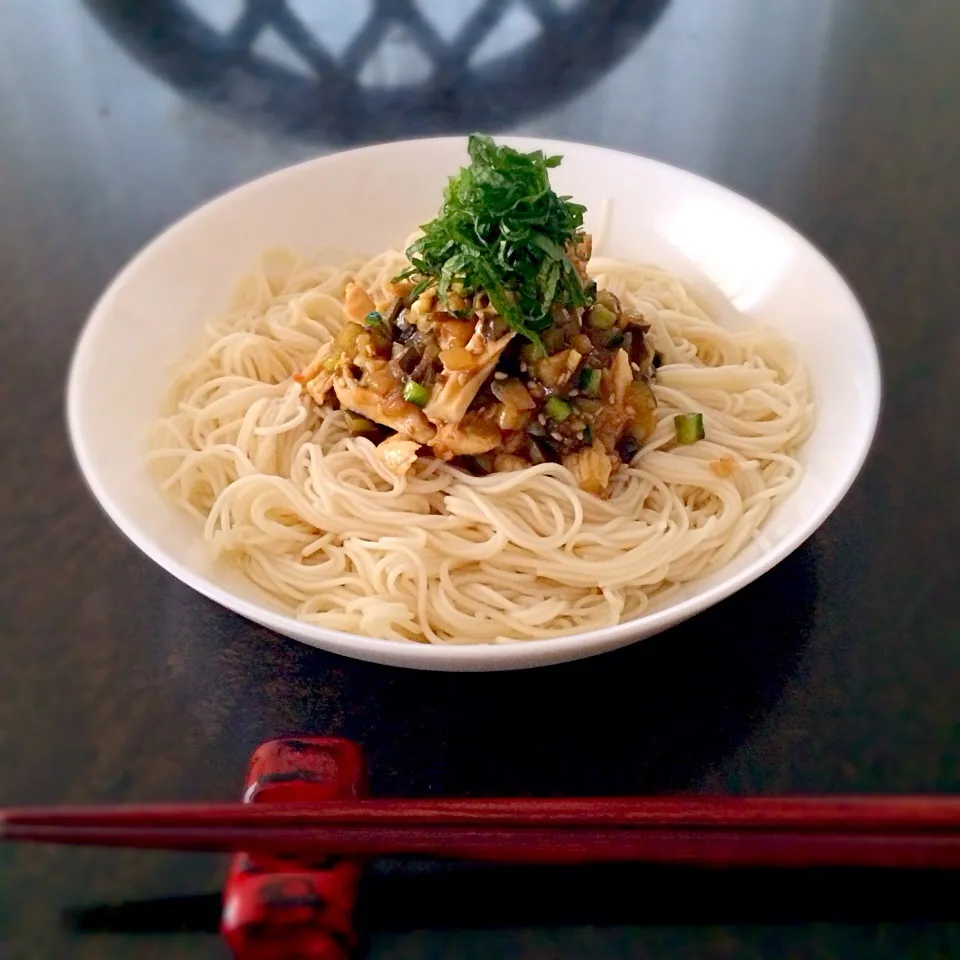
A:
[373,70]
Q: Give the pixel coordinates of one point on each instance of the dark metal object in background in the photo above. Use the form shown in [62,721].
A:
[569,51]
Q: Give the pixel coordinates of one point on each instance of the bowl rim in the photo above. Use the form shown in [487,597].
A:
[471,656]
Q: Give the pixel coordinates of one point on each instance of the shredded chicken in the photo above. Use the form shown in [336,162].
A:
[316,364]
[447,373]
[398,454]
[556,371]
[468,439]
[397,288]
[456,390]
[454,333]
[506,462]
[319,387]
[591,466]
[408,420]
[315,377]
[478,342]
[357,302]
[622,376]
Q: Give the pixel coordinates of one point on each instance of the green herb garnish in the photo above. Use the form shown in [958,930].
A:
[503,230]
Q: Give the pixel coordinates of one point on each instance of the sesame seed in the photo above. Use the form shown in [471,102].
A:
[636,367]
[543,419]
[523,367]
[574,393]
[499,375]
[556,436]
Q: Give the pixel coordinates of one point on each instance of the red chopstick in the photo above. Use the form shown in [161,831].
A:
[717,831]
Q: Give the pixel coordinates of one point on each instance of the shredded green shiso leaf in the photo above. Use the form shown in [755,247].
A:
[504,231]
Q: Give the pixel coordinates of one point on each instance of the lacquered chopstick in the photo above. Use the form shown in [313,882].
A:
[851,831]
[724,847]
[875,814]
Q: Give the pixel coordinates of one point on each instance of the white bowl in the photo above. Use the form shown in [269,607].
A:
[369,199]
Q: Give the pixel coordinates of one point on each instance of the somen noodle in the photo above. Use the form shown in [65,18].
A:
[286,488]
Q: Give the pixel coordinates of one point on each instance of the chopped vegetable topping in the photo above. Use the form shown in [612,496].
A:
[358,424]
[414,392]
[557,409]
[589,384]
[689,427]
[601,318]
[438,369]
[628,448]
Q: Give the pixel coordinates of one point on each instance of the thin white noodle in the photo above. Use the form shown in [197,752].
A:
[312,516]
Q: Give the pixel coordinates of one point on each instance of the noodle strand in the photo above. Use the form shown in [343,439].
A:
[313,517]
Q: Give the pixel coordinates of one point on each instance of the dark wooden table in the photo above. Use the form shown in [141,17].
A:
[839,671]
